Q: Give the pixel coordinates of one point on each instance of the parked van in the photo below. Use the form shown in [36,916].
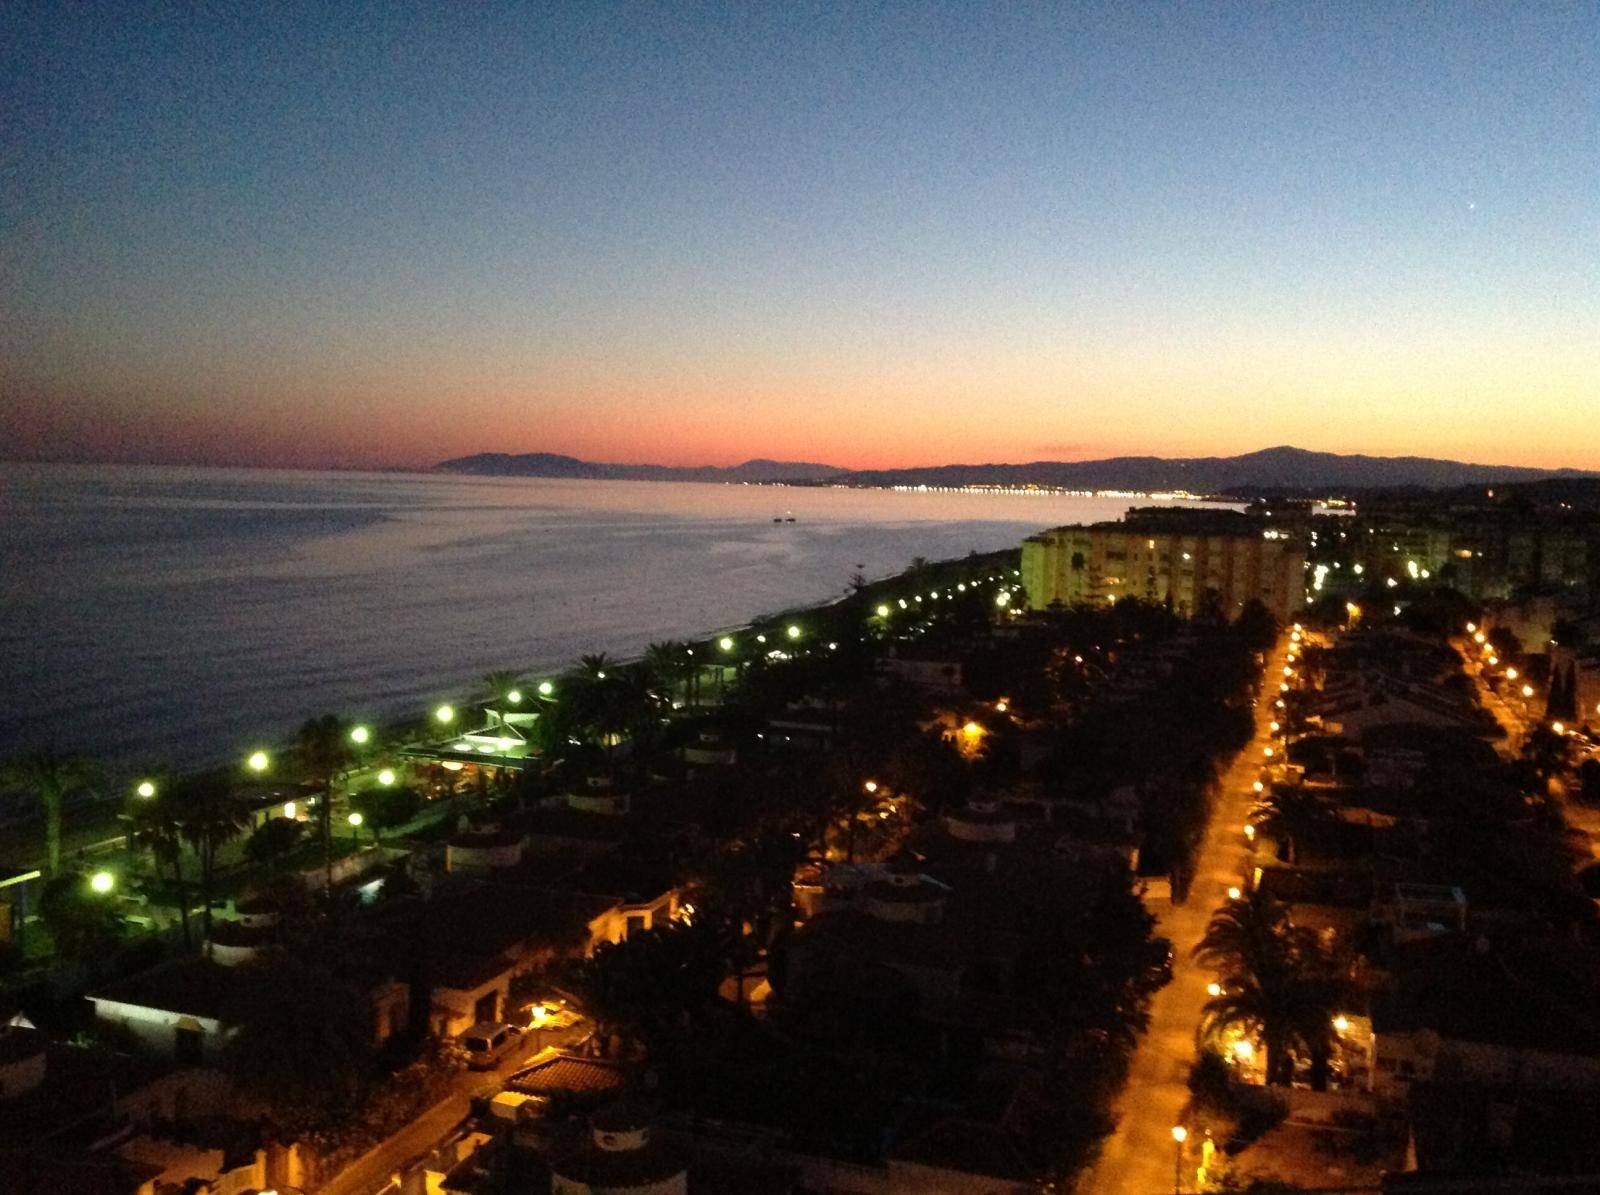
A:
[486,1043]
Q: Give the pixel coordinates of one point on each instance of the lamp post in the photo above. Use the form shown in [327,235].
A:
[1179,1136]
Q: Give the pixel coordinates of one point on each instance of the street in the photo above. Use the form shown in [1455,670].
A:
[1139,1157]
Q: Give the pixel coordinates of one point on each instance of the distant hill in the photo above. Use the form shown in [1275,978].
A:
[1270,469]
[549,464]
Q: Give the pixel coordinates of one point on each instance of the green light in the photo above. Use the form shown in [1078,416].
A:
[102,882]
[793,632]
[883,611]
[146,789]
[546,688]
[725,643]
[386,776]
[355,819]
[259,761]
[360,734]
[444,713]
[514,697]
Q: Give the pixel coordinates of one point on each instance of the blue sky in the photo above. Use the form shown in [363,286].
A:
[391,233]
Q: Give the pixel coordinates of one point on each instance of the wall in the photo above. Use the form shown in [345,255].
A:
[156,1028]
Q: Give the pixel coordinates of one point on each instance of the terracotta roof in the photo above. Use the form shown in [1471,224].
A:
[566,1073]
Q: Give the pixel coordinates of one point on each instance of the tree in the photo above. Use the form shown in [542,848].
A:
[1545,752]
[211,819]
[81,921]
[501,683]
[1289,816]
[275,837]
[1251,943]
[648,985]
[53,777]
[157,829]
[324,747]
[385,807]
[303,1044]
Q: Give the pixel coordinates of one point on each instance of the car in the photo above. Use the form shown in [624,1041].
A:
[1160,967]
[487,1042]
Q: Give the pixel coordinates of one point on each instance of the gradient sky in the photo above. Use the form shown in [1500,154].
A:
[864,234]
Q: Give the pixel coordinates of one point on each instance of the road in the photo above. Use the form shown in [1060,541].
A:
[375,1170]
[1138,1158]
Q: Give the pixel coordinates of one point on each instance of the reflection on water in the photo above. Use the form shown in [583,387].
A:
[156,615]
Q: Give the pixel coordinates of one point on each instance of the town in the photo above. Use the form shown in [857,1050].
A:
[1208,849]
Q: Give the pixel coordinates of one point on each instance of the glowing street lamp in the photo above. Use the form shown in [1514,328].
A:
[1213,989]
[1233,892]
[1249,832]
[1259,787]
[792,631]
[146,789]
[1471,627]
[1179,1136]
[1244,1050]
[514,697]
[102,882]
[359,735]
[1511,674]
[883,611]
[1558,727]
[1527,690]
[546,688]
[725,643]
[259,761]
[386,777]
[445,713]
[871,786]
[1341,1024]
[355,819]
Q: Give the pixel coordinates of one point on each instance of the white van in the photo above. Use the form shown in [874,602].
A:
[486,1043]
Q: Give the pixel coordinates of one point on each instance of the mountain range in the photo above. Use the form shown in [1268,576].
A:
[549,464]
[1271,468]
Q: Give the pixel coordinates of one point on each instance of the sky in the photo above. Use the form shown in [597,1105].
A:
[863,234]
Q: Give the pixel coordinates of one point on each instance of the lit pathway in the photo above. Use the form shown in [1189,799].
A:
[1138,1158]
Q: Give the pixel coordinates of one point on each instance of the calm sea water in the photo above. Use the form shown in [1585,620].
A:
[182,616]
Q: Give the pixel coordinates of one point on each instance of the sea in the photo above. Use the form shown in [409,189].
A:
[182,617]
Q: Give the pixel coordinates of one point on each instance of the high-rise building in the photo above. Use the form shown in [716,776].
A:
[1169,556]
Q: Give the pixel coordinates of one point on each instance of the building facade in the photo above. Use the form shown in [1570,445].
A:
[1173,559]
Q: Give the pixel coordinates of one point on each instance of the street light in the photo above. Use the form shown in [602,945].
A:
[444,713]
[1249,832]
[546,688]
[871,786]
[359,735]
[793,631]
[1213,989]
[259,761]
[726,643]
[102,882]
[146,789]
[514,697]
[1179,1136]
[355,819]
[1527,690]
[1233,892]
[1341,1024]
[883,611]
[386,776]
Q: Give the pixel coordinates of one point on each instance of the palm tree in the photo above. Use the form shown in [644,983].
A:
[1252,943]
[324,748]
[157,830]
[1290,816]
[502,682]
[54,776]
[594,666]
[666,660]
[211,818]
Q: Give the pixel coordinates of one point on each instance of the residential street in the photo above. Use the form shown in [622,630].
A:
[1139,1157]
[374,1171]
